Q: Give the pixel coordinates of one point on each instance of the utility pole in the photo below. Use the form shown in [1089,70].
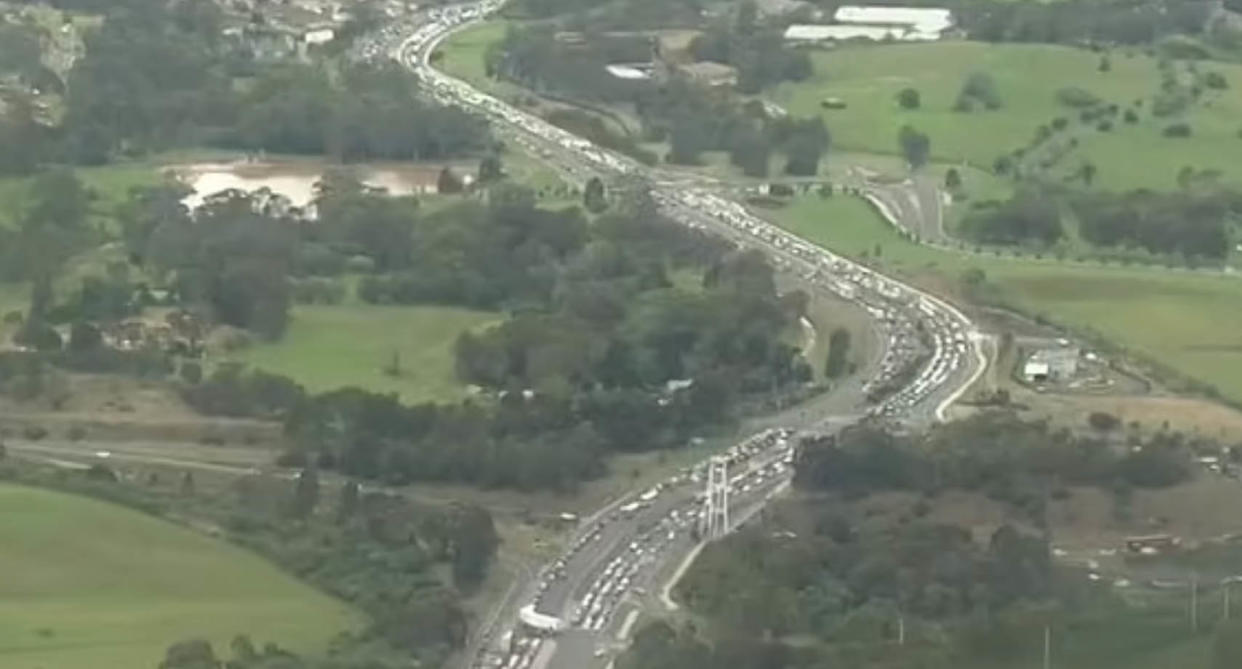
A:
[1047,647]
[716,511]
[1194,602]
[1227,584]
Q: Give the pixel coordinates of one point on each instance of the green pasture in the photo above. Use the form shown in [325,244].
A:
[1027,77]
[90,585]
[329,347]
[1190,321]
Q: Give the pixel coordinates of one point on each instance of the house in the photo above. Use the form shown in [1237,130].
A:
[711,74]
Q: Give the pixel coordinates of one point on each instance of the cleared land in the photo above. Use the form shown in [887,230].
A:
[1189,321]
[328,347]
[90,585]
[1027,78]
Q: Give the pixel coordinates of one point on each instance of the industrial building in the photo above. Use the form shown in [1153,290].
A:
[1051,364]
[898,24]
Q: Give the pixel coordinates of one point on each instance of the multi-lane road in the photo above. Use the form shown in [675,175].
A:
[578,610]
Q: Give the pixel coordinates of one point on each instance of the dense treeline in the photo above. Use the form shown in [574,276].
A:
[756,48]
[603,352]
[402,563]
[691,118]
[995,453]
[613,14]
[1081,21]
[1192,224]
[1196,223]
[832,578]
[157,75]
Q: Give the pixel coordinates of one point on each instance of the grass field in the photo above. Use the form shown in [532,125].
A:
[1027,78]
[89,585]
[462,54]
[1188,321]
[330,347]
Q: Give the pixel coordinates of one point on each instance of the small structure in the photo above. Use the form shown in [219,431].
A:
[899,24]
[1152,543]
[1051,364]
[630,72]
[539,622]
[709,73]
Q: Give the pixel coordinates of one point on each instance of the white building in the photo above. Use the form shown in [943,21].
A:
[900,24]
[319,36]
[929,20]
[627,72]
[811,34]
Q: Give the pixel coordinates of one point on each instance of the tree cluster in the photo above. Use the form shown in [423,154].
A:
[1194,224]
[756,48]
[1081,22]
[157,75]
[995,453]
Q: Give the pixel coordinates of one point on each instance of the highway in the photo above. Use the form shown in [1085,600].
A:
[578,611]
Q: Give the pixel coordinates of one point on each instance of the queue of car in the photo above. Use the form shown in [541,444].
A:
[925,340]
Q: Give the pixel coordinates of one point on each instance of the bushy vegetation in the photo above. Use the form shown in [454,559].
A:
[157,75]
[380,552]
[1007,458]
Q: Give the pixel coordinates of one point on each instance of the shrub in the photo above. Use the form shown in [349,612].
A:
[1131,116]
[77,433]
[1178,130]
[1073,96]
[34,432]
[909,98]
[1103,421]
[1104,126]
[1215,80]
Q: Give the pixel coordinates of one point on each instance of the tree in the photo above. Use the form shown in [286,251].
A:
[474,543]
[490,169]
[1087,172]
[348,505]
[448,182]
[915,146]
[1227,647]
[191,654]
[593,196]
[838,353]
[191,372]
[952,179]
[84,337]
[909,98]
[1102,421]
[306,493]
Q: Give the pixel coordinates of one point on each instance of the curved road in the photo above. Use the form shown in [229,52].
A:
[622,559]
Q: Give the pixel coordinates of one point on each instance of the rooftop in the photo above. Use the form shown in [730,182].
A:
[820,33]
[919,19]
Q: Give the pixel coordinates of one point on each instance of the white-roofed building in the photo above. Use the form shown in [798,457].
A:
[810,34]
[914,19]
[900,24]
[628,72]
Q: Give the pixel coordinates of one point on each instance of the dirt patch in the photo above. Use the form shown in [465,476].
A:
[1188,415]
[116,408]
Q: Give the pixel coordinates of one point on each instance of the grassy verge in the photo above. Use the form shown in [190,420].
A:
[1027,77]
[330,347]
[1188,321]
[94,586]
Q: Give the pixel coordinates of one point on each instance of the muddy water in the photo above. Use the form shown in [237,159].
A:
[296,180]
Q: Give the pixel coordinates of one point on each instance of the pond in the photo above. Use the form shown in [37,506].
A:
[296,180]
